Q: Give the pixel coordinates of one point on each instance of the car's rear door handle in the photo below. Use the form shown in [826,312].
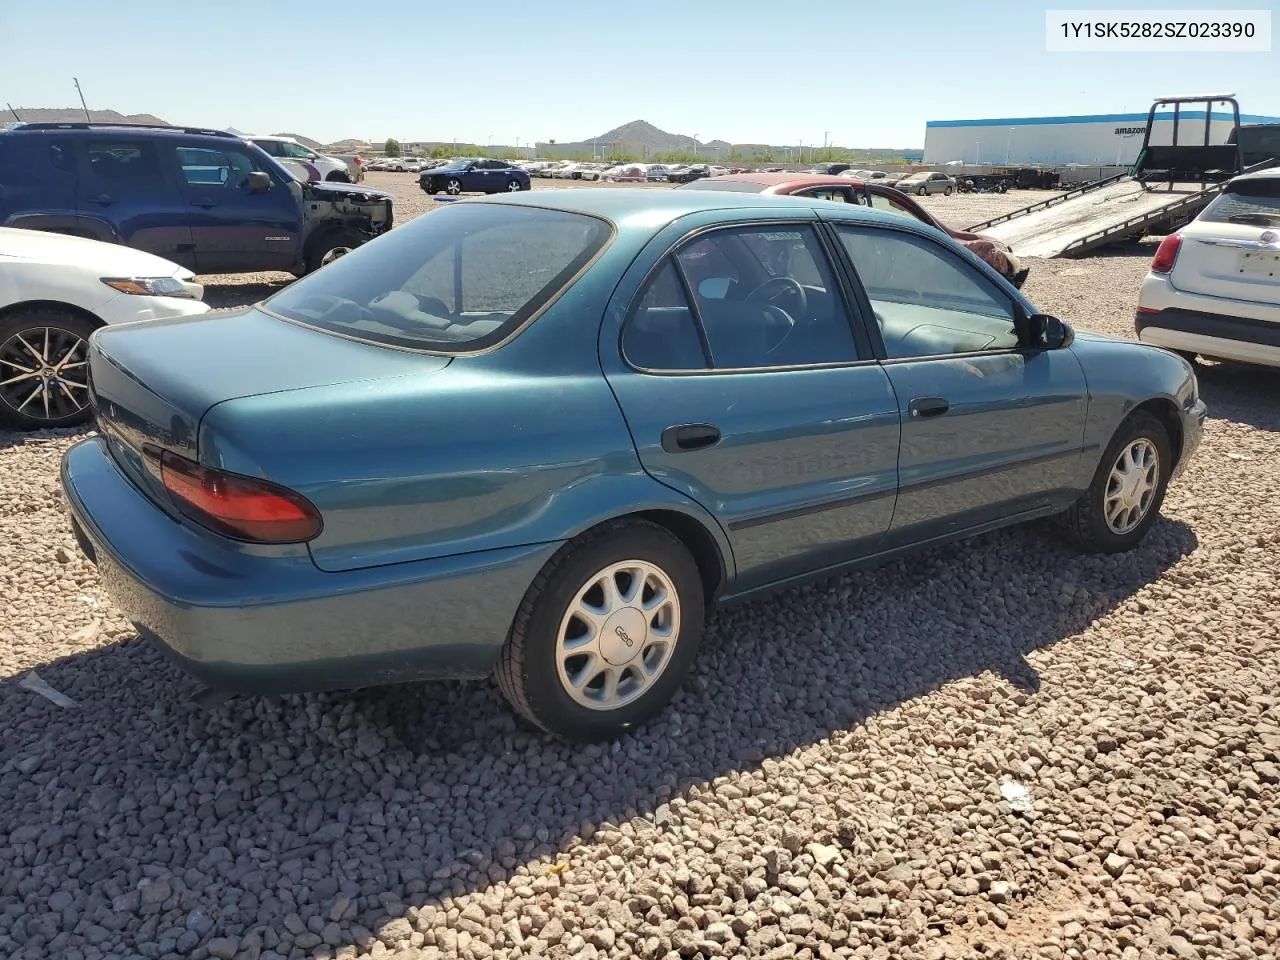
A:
[103,200]
[689,436]
[922,407]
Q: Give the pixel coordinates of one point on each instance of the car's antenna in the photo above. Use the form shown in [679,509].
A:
[82,103]
[13,111]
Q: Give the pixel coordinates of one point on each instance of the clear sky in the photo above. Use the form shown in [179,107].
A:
[867,74]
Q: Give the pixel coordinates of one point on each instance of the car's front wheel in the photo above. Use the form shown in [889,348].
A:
[922,192]
[513,186]
[44,367]
[946,192]
[331,245]
[453,187]
[1128,488]
[606,633]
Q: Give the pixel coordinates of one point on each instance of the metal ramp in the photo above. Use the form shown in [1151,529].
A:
[1168,185]
[1096,215]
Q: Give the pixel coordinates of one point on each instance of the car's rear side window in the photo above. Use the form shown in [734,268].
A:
[458,278]
[122,160]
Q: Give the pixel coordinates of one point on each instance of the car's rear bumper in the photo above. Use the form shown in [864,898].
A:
[248,620]
[1213,335]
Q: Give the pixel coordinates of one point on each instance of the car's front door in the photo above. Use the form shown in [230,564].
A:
[234,228]
[742,380]
[991,427]
[124,184]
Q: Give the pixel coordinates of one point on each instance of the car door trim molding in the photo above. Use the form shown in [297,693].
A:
[977,474]
[794,513]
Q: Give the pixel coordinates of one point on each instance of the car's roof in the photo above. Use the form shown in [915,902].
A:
[115,130]
[656,208]
[1270,173]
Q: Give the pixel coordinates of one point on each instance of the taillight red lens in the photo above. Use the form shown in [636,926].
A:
[1166,254]
[242,508]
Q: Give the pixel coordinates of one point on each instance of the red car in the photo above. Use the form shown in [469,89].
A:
[865,193]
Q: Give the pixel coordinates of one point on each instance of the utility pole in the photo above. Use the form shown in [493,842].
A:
[82,103]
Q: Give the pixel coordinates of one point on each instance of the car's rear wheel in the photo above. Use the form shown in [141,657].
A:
[1128,488]
[453,187]
[331,245]
[44,368]
[946,192]
[922,192]
[338,176]
[606,633]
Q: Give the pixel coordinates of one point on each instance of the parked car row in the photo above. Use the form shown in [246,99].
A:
[186,200]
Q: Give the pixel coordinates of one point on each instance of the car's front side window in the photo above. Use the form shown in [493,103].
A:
[927,301]
[761,297]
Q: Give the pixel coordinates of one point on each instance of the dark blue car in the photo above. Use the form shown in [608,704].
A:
[204,199]
[538,435]
[474,175]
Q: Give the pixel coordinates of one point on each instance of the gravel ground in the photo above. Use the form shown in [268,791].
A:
[999,748]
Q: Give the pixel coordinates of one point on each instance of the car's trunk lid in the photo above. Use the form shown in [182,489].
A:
[1237,261]
[152,382]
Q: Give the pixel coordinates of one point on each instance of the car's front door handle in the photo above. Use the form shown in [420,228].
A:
[689,436]
[204,203]
[104,200]
[923,407]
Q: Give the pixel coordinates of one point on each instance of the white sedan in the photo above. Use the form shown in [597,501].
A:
[55,290]
[1214,286]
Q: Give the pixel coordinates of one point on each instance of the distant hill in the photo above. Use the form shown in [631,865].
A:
[76,115]
[642,133]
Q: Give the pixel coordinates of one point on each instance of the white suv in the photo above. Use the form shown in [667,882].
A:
[1214,286]
[297,158]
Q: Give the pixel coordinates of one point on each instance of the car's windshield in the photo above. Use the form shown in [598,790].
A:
[461,277]
[457,165]
[1247,202]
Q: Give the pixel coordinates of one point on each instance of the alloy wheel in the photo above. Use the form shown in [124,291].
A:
[334,254]
[43,373]
[513,186]
[1131,486]
[453,188]
[618,634]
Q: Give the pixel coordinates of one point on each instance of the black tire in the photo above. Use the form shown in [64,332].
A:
[68,334]
[331,244]
[922,192]
[1085,521]
[453,186]
[1191,358]
[946,192]
[514,186]
[527,672]
[338,177]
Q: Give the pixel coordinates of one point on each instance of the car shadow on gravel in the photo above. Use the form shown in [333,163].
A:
[18,438]
[393,798]
[1241,393]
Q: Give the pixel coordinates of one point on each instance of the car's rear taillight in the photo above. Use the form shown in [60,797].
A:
[242,508]
[1166,254]
[359,161]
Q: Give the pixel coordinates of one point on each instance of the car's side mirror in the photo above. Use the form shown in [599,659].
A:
[258,181]
[1048,332]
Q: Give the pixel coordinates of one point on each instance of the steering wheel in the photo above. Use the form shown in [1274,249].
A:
[786,288]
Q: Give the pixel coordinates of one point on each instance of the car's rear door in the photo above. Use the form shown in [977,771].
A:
[990,430]
[124,185]
[766,409]
[234,229]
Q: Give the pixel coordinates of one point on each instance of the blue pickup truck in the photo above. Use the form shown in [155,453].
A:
[205,199]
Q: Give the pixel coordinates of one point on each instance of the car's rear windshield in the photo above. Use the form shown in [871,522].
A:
[733,186]
[458,278]
[1247,201]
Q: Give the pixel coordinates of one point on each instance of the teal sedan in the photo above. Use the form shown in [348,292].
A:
[540,435]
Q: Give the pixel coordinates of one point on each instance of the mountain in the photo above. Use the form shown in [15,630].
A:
[305,141]
[76,115]
[640,133]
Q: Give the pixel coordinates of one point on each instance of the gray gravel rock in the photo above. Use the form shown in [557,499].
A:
[827,785]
